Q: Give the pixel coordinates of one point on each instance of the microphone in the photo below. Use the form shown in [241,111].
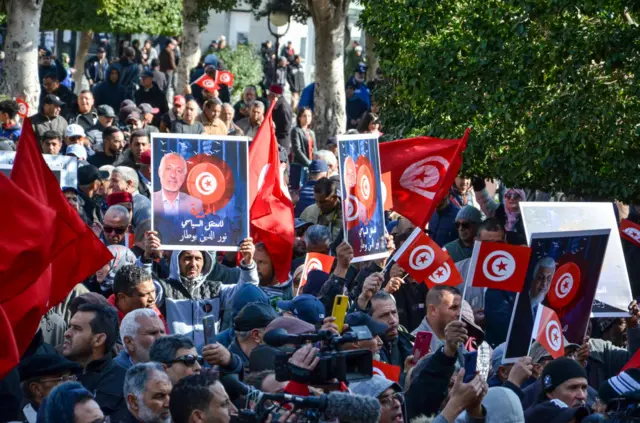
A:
[353,408]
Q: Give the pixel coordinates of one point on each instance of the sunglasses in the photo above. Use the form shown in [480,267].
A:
[111,229]
[188,360]
[512,196]
[463,225]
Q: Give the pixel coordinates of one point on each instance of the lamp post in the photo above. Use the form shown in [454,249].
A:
[278,19]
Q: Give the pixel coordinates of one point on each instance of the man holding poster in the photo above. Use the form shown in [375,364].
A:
[200,191]
[363,214]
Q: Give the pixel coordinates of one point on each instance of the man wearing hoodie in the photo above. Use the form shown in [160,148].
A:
[197,286]
[130,72]
[110,91]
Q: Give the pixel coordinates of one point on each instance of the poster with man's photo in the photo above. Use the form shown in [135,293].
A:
[65,168]
[200,191]
[563,275]
[361,195]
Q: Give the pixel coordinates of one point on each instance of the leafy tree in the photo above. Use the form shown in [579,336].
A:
[549,87]
[245,65]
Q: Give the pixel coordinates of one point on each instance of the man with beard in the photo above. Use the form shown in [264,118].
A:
[267,276]
[113,139]
[138,331]
[541,282]
[147,389]
[92,333]
[125,179]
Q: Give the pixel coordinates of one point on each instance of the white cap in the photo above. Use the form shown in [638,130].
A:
[358,48]
[77,150]
[74,130]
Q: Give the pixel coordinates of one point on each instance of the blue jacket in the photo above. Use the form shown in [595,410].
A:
[13,132]
[306,197]
[123,359]
[362,91]
[306,98]
[442,226]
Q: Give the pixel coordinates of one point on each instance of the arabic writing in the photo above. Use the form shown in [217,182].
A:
[201,231]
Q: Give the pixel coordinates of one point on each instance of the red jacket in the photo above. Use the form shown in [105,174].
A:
[112,301]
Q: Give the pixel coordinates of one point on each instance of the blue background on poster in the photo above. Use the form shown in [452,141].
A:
[233,216]
[366,239]
[587,251]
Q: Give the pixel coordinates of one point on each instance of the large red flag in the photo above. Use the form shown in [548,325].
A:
[499,266]
[271,209]
[422,172]
[420,256]
[548,330]
[630,231]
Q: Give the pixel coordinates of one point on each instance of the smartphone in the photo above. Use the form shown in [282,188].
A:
[209,325]
[422,345]
[470,361]
[340,305]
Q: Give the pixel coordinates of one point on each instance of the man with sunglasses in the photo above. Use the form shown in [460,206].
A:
[178,356]
[116,224]
[467,221]
[39,375]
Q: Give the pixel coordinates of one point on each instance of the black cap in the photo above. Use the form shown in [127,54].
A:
[254,316]
[101,50]
[559,371]
[362,319]
[47,364]
[263,357]
[106,110]
[88,174]
[53,99]
[555,411]
[147,74]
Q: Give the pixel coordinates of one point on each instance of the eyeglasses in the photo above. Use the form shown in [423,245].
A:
[188,360]
[388,401]
[512,196]
[110,229]
[66,378]
[463,225]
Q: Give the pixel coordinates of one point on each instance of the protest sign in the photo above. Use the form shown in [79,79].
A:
[614,292]
[200,191]
[65,168]
[361,194]
[563,265]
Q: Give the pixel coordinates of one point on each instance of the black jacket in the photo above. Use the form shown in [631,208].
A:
[300,145]
[154,96]
[129,77]
[282,118]
[160,80]
[105,378]
[296,78]
[91,208]
[65,95]
[429,384]
[109,93]
[396,352]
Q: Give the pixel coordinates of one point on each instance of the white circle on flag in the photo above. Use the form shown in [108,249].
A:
[262,176]
[442,274]
[564,285]
[365,187]
[22,108]
[499,266]
[351,208]
[313,264]
[633,233]
[421,257]
[554,335]
[206,183]
[225,78]
[208,83]
[377,371]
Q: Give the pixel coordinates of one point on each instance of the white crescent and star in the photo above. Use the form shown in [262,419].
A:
[499,266]
[206,183]
[554,335]
[422,177]
[421,257]
[564,285]
[442,274]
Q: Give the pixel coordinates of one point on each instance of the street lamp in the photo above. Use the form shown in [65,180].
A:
[278,19]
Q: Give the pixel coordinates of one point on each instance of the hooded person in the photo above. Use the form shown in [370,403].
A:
[102,282]
[196,286]
[110,91]
[387,392]
[246,294]
[502,405]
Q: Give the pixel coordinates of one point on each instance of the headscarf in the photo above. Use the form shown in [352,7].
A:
[513,216]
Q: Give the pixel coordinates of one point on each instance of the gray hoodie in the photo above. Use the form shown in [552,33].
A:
[502,406]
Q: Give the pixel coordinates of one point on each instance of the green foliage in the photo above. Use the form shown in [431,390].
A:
[124,16]
[550,87]
[245,65]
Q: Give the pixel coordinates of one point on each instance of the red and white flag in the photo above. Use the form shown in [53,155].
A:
[447,274]
[498,266]
[422,171]
[564,286]
[23,108]
[548,330]
[387,198]
[420,256]
[388,371]
[206,83]
[630,231]
[224,77]
[315,261]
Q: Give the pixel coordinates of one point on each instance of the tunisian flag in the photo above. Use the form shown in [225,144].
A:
[206,83]
[224,77]
[422,172]
[315,261]
[548,331]
[271,209]
[447,274]
[499,266]
[73,252]
[630,231]
[420,256]
[388,371]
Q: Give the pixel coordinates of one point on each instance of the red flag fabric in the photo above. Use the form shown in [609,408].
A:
[420,256]
[422,172]
[548,330]
[630,231]
[206,83]
[447,274]
[389,371]
[224,77]
[10,357]
[315,261]
[633,363]
[564,286]
[271,209]
[387,198]
[499,266]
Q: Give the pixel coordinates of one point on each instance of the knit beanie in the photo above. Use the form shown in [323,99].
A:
[470,214]
[619,386]
[559,371]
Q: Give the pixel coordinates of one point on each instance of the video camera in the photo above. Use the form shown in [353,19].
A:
[345,366]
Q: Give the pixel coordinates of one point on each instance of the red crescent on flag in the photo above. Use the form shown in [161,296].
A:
[366,188]
[564,286]
[350,177]
[210,179]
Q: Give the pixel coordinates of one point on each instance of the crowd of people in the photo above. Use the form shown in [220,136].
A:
[130,344]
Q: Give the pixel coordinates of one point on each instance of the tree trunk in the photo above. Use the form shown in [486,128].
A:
[190,47]
[330,102]
[372,58]
[81,56]
[20,77]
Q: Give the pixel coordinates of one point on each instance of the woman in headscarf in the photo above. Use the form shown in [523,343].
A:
[508,212]
[68,81]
